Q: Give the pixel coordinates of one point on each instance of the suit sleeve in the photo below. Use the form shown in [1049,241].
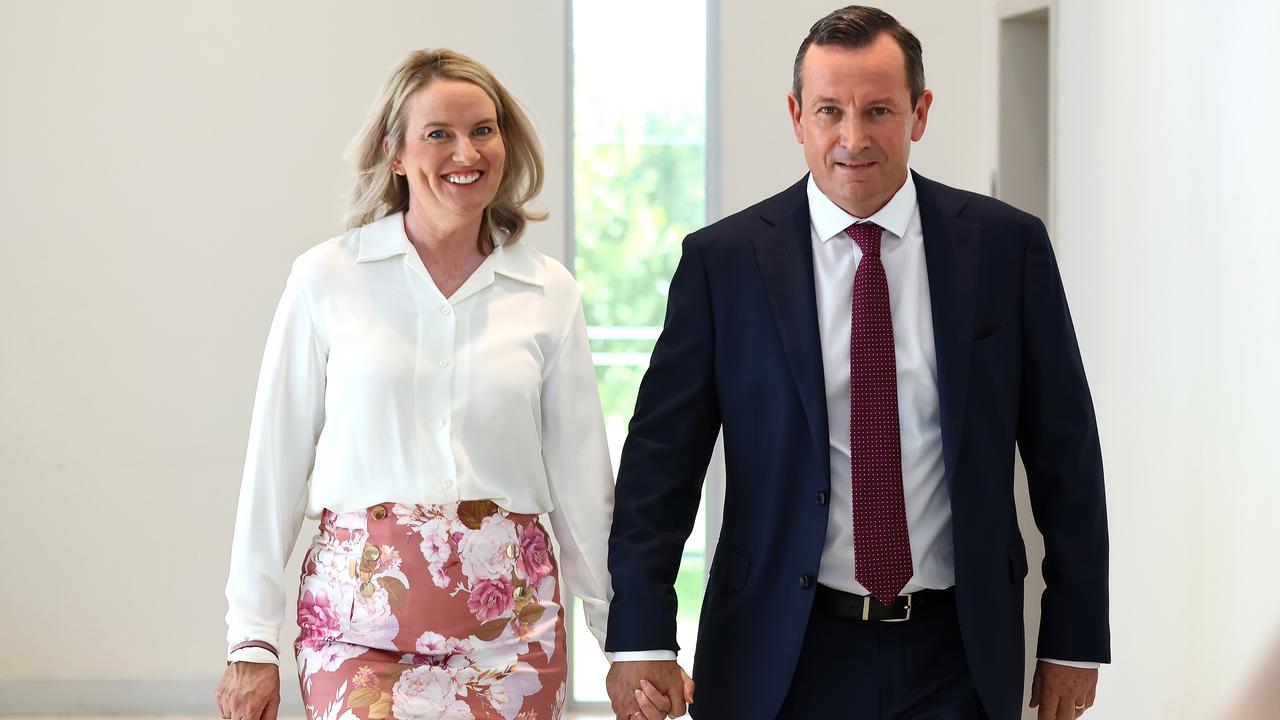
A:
[1058,441]
[664,461]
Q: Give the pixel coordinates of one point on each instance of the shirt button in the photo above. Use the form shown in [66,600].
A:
[447,482]
[805,582]
[446,310]
[822,498]
[444,363]
[440,423]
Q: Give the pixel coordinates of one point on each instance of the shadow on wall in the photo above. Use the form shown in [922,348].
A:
[1261,700]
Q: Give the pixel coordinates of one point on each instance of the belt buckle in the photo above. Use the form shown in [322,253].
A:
[901,619]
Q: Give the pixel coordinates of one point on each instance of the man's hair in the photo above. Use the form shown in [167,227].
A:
[857,26]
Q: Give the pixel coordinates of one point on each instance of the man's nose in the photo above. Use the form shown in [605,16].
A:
[853,135]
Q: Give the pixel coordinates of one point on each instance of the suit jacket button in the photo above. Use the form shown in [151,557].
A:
[805,582]
[822,498]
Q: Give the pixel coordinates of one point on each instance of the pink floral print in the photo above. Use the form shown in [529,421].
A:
[431,611]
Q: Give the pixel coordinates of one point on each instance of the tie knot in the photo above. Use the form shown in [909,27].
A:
[867,235]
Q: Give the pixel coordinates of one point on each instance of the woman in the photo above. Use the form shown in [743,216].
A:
[427,392]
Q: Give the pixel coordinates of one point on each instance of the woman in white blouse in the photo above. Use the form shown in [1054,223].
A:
[427,392]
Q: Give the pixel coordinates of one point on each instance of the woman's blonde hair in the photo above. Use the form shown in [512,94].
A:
[380,192]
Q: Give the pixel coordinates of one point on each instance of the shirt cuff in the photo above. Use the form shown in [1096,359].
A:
[638,655]
[1084,664]
[253,655]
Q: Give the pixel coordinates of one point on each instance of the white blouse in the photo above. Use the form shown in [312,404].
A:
[376,388]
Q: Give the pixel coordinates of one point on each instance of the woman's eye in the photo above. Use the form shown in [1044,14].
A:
[484,131]
[437,135]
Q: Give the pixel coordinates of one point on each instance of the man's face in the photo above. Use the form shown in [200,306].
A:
[856,122]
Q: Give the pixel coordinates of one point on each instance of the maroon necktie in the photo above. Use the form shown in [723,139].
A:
[882,560]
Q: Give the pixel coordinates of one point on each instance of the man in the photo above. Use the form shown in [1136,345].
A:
[873,345]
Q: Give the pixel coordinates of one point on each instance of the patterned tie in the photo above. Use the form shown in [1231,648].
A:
[883,550]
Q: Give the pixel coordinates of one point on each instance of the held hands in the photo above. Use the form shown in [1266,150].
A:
[648,690]
[249,691]
[1062,692]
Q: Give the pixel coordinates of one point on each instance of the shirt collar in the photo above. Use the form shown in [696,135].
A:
[830,220]
[386,238]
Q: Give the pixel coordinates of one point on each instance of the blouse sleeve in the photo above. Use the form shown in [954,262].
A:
[576,456]
[288,414]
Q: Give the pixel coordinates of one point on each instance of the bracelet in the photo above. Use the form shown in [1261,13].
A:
[255,643]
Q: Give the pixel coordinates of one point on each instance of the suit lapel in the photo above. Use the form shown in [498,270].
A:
[952,251]
[785,256]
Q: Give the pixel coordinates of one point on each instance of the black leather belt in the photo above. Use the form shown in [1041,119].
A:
[914,606]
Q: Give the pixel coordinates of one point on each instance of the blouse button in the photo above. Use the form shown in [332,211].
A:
[371,553]
[367,588]
[447,482]
[444,363]
[512,551]
[519,593]
[378,512]
[446,310]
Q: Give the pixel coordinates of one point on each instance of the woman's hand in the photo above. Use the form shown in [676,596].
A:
[249,691]
[654,705]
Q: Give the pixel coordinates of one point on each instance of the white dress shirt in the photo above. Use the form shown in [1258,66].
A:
[376,388]
[928,503]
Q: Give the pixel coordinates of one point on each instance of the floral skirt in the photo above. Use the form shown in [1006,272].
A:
[431,611]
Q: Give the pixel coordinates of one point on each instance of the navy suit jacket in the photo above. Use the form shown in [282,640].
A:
[740,351]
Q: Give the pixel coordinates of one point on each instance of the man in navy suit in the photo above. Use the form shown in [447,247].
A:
[874,345]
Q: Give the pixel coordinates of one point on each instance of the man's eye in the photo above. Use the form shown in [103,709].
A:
[880,111]
[827,110]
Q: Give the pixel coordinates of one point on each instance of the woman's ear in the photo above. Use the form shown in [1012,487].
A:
[396,166]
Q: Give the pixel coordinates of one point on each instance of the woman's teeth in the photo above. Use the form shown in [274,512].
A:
[460,179]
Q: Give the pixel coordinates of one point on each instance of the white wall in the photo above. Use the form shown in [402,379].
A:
[758,154]
[160,165]
[1166,234]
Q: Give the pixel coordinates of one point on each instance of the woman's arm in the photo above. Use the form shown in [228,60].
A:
[288,414]
[576,457]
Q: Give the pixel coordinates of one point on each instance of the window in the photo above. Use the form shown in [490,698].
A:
[639,186]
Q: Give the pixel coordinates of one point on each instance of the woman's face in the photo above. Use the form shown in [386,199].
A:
[453,154]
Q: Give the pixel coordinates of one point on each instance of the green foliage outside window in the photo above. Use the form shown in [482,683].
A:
[634,203]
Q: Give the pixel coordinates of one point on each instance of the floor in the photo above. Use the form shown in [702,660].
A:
[195,717]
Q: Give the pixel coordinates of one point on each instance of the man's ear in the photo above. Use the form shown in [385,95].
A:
[921,115]
[793,108]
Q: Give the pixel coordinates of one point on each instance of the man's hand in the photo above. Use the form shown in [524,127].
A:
[1062,692]
[249,691]
[648,689]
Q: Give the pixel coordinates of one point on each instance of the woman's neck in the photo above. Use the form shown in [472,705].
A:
[450,253]
[442,239]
